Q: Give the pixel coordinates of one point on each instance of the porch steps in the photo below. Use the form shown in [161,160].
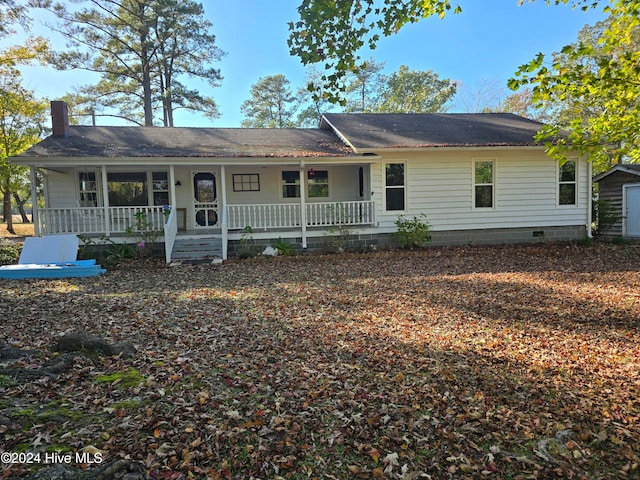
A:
[197,250]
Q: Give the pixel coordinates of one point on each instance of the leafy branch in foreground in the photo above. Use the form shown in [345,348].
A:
[334,33]
[595,85]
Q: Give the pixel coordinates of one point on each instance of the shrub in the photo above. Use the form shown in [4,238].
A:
[412,233]
[9,252]
[283,246]
[605,216]
[248,248]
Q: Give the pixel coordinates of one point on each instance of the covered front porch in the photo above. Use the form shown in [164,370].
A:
[278,218]
[214,201]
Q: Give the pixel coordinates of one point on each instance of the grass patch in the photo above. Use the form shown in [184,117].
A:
[129,378]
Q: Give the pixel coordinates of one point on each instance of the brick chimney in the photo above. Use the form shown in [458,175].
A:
[60,119]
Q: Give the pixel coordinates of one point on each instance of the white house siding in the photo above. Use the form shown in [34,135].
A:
[61,189]
[343,184]
[440,184]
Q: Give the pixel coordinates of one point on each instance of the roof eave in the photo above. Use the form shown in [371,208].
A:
[45,162]
[617,168]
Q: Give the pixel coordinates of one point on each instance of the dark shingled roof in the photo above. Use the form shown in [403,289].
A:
[190,142]
[371,131]
[630,169]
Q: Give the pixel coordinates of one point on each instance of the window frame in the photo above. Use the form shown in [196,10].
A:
[245,182]
[154,196]
[312,172]
[84,191]
[477,184]
[402,187]
[561,183]
[153,190]
[284,184]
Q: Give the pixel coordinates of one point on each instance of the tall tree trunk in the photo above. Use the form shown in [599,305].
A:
[20,203]
[6,204]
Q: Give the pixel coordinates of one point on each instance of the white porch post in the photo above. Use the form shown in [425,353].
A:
[223,212]
[172,186]
[34,202]
[105,200]
[303,204]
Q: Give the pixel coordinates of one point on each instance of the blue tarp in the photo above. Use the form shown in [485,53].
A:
[51,256]
[78,268]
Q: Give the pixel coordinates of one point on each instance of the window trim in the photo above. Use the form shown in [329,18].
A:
[308,185]
[282,185]
[388,187]
[153,190]
[96,192]
[574,182]
[240,184]
[493,163]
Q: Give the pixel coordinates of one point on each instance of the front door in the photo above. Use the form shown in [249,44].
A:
[632,201]
[205,199]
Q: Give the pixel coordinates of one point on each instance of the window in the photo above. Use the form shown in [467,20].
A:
[160,184]
[127,188]
[204,187]
[567,183]
[394,186]
[88,189]
[138,188]
[246,182]
[290,184]
[318,183]
[483,184]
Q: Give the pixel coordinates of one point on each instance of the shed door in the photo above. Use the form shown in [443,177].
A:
[632,201]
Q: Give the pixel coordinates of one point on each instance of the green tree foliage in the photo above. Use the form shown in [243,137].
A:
[21,117]
[332,33]
[364,86]
[142,49]
[595,84]
[11,12]
[21,120]
[272,104]
[415,91]
[315,103]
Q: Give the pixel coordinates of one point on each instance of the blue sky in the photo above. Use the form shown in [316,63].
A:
[483,45]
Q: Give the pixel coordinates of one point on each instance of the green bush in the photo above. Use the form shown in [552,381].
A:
[412,233]
[248,247]
[605,216]
[9,252]
[283,246]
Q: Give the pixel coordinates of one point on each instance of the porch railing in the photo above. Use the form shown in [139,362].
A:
[116,220]
[170,232]
[286,215]
[97,220]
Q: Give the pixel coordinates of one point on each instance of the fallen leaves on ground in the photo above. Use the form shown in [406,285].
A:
[471,362]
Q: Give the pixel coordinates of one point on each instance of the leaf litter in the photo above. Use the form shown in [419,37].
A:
[469,362]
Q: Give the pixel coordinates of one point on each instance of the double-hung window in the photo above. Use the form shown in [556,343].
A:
[88,189]
[484,180]
[290,184]
[317,183]
[394,186]
[160,188]
[567,183]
